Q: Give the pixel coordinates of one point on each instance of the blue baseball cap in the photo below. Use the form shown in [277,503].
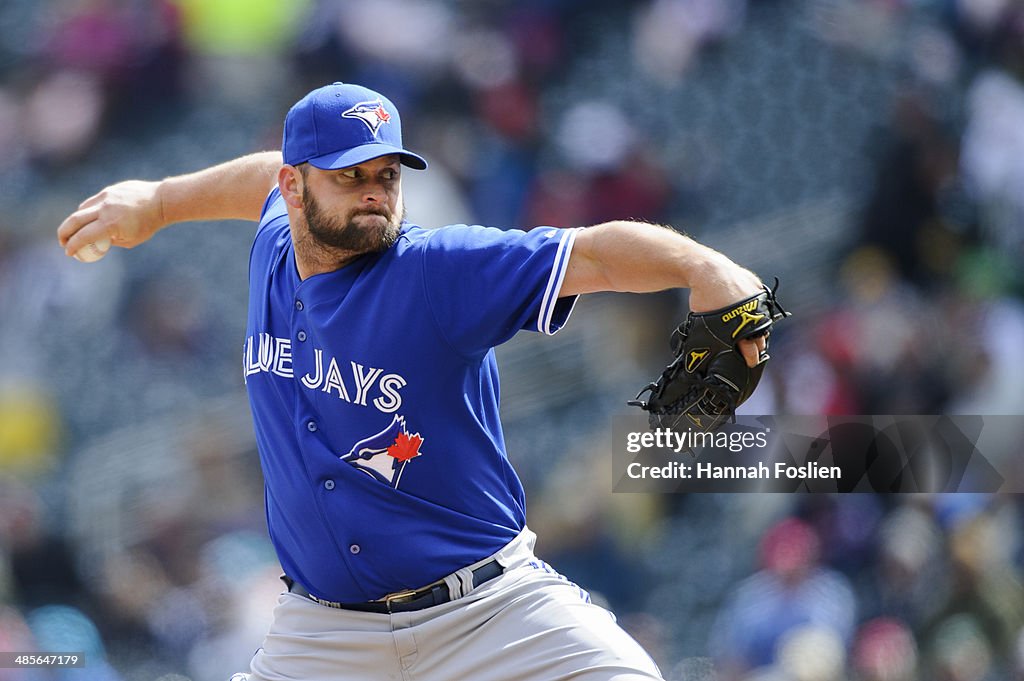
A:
[342,125]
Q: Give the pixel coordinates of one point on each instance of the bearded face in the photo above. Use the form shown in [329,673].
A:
[369,229]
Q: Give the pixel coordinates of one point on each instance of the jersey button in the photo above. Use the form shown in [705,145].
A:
[329,484]
[298,305]
[311,426]
[301,335]
[354,549]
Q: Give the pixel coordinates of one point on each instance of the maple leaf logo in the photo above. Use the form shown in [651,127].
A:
[405,446]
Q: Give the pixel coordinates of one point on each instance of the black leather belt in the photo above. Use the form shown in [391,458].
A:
[403,601]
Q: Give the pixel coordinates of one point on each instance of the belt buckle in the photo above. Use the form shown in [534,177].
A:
[398,597]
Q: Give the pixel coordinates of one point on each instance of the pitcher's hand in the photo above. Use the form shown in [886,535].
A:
[128,213]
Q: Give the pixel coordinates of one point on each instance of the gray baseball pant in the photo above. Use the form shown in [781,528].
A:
[528,624]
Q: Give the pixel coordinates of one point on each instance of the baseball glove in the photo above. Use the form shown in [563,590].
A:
[709,378]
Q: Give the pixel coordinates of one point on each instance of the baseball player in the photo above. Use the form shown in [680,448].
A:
[368,360]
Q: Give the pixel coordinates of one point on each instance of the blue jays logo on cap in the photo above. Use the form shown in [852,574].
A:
[342,125]
[372,113]
[384,455]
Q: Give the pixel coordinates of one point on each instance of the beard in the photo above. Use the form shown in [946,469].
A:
[345,234]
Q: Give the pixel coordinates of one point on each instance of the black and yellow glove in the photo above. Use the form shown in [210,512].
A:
[709,378]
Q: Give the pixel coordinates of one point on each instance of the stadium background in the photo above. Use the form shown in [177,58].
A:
[870,153]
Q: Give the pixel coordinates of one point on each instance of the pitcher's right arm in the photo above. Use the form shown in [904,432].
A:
[130,213]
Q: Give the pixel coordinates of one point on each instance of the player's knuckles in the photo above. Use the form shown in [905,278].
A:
[63,232]
[69,228]
[75,242]
[78,220]
[82,237]
[92,200]
[112,221]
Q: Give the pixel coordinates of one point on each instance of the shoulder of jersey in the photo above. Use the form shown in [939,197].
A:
[416,235]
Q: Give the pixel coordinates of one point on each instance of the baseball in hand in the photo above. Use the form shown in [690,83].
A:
[94,251]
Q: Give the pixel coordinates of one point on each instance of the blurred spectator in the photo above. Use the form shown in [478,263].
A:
[63,628]
[63,114]
[915,175]
[99,37]
[992,158]
[15,636]
[30,428]
[812,653]
[874,342]
[791,590]
[909,568]
[668,34]
[244,618]
[960,652]
[42,566]
[984,588]
[595,136]
[885,650]
[418,33]
[108,54]
[128,586]
[60,628]
[851,525]
[235,48]
[989,375]
[232,27]
[1018,659]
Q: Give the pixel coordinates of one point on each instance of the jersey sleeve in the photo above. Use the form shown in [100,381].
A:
[273,233]
[273,207]
[485,284]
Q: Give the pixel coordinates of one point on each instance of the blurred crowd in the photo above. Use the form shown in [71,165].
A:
[869,152]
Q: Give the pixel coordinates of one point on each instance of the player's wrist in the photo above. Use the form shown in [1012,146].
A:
[716,281]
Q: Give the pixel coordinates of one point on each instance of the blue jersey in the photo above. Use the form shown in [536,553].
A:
[374,394]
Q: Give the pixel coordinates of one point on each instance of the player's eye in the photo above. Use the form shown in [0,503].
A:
[390,174]
[351,173]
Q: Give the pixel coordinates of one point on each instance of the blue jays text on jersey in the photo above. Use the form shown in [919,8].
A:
[267,353]
[374,393]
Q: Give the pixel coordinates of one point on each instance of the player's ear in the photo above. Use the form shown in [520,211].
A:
[290,182]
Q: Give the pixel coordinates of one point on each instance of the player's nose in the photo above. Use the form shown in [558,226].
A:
[375,193]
